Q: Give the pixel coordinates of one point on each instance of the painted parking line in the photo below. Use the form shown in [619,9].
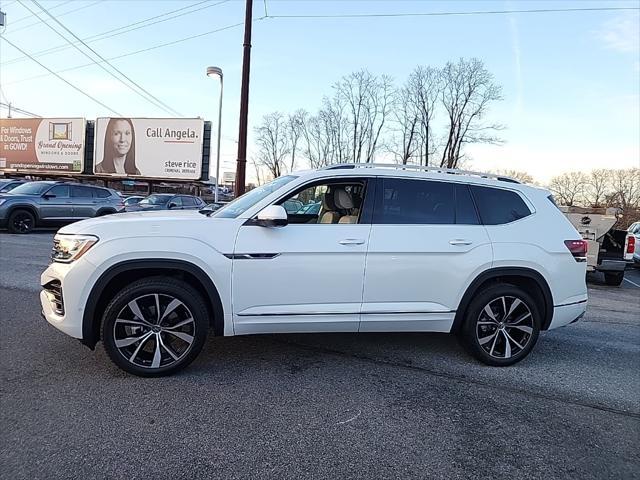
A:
[632,283]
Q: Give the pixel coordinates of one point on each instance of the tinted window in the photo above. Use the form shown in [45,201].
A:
[414,202]
[176,201]
[60,191]
[78,191]
[188,201]
[32,188]
[465,209]
[498,206]
[102,193]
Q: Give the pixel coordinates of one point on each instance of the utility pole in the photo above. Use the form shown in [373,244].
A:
[241,166]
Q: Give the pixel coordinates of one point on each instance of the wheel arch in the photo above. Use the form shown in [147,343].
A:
[128,271]
[24,206]
[527,278]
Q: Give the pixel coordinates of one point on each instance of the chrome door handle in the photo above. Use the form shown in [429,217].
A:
[351,241]
[459,241]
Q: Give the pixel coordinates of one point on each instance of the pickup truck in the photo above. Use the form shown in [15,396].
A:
[609,249]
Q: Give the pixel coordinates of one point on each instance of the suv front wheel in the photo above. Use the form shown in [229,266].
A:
[156,326]
[501,325]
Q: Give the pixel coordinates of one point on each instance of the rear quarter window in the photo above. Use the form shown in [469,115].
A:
[497,206]
[102,193]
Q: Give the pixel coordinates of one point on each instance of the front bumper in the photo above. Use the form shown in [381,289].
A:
[72,279]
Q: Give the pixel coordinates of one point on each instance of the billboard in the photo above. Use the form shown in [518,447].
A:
[42,144]
[168,148]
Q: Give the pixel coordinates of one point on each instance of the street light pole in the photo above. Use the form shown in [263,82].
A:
[217,72]
[244,103]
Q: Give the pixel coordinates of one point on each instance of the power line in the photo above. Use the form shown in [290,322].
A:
[59,15]
[136,52]
[145,93]
[10,107]
[27,17]
[63,79]
[442,14]
[164,17]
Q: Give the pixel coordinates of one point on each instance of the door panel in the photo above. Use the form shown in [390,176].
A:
[58,207]
[419,259]
[83,206]
[305,278]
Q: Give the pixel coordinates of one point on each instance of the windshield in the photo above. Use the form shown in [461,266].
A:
[32,188]
[249,199]
[156,200]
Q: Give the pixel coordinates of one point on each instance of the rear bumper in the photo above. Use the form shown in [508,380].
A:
[611,266]
[568,313]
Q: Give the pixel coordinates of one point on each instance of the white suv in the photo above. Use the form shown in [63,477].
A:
[387,248]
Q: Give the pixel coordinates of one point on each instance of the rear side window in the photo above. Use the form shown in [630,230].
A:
[465,209]
[188,201]
[414,202]
[78,191]
[497,206]
[102,193]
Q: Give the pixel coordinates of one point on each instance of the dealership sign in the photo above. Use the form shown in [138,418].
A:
[149,147]
[42,144]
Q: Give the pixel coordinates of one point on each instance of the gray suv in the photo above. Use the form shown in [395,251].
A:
[37,204]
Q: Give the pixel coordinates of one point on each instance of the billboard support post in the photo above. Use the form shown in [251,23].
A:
[244,102]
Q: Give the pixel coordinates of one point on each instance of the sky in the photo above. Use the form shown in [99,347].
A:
[571,80]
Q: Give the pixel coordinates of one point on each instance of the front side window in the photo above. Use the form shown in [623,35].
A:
[241,204]
[175,202]
[326,202]
[497,206]
[404,201]
[60,191]
[188,201]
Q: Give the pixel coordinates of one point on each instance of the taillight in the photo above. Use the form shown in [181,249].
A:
[631,244]
[578,249]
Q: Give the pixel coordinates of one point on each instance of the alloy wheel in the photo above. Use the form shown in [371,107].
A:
[22,222]
[154,331]
[504,327]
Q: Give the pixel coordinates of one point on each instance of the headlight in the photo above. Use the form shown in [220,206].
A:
[68,248]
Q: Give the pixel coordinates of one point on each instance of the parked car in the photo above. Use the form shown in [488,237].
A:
[634,229]
[36,204]
[8,184]
[133,200]
[393,248]
[167,201]
[211,207]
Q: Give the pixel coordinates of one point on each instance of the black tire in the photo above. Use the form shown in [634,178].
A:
[614,279]
[488,343]
[120,325]
[21,221]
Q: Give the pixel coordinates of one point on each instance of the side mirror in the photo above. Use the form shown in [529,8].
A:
[273,216]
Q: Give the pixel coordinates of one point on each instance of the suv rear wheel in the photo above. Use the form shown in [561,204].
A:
[156,326]
[501,325]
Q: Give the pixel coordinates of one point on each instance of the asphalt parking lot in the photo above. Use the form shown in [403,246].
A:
[319,406]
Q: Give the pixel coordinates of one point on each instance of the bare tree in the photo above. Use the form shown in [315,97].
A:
[568,188]
[295,126]
[597,187]
[273,143]
[625,188]
[367,101]
[468,89]
[519,175]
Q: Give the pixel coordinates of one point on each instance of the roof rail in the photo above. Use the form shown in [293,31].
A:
[398,166]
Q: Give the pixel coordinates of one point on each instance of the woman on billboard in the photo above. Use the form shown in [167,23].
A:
[119,155]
